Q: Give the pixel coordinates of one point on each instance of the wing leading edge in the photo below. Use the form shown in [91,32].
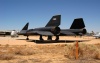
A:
[41,33]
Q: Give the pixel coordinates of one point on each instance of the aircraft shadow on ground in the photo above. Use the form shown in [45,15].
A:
[20,39]
[52,41]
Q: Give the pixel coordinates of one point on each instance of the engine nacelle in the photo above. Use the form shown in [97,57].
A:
[84,31]
[55,30]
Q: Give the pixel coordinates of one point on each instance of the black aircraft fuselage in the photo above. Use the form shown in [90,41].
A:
[73,31]
[51,29]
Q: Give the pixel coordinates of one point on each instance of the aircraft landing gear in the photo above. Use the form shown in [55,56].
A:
[27,38]
[41,37]
[57,38]
[49,38]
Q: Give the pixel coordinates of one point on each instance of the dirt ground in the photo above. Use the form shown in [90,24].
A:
[47,51]
[21,40]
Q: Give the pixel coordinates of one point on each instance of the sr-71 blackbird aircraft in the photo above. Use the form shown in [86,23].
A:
[52,29]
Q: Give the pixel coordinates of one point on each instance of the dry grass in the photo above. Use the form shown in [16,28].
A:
[6,56]
[8,52]
[49,53]
[85,51]
[23,50]
[70,51]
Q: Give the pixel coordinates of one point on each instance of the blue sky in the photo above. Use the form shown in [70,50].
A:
[14,14]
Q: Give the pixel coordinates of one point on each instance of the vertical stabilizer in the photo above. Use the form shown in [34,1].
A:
[26,26]
[24,29]
[78,24]
[54,21]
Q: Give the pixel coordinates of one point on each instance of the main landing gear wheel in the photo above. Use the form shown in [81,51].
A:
[57,38]
[27,38]
[41,37]
[49,38]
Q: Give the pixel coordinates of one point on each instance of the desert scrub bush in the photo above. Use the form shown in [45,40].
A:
[5,53]
[97,54]
[6,56]
[24,51]
[85,51]
[97,45]
[7,45]
[70,51]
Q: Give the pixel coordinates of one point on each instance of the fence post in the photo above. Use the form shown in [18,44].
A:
[76,52]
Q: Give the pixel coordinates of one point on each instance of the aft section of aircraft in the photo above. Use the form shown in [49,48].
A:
[77,28]
[51,29]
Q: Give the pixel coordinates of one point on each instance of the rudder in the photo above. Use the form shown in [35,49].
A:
[26,26]
[78,24]
[54,21]
[24,30]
